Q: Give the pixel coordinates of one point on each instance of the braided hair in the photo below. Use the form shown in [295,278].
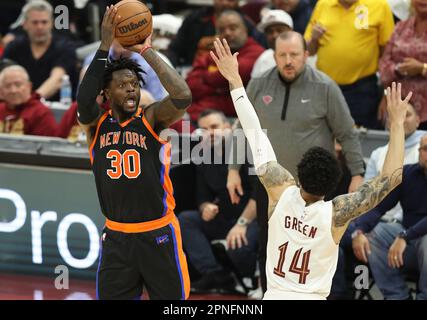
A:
[121,64]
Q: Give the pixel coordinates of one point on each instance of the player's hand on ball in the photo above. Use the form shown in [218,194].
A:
[108,27]
[140,46]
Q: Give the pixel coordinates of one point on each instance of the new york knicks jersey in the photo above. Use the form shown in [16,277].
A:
[131,168]
[301,253]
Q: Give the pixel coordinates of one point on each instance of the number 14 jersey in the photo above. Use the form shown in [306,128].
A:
[131,168]
[301,253]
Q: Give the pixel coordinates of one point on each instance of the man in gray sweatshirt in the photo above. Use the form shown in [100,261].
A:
[299,107]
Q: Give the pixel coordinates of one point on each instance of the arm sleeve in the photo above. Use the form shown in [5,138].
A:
[90,87]
[262,151]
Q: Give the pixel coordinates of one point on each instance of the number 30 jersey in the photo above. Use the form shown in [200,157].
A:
[131,168]
[301,253]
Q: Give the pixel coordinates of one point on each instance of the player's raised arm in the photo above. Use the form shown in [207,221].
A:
[269,171]
[350,206]
[163,113]
[88,110]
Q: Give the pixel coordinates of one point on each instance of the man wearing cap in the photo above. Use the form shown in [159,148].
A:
[273,23]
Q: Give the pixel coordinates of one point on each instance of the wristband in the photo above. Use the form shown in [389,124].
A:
[145,48]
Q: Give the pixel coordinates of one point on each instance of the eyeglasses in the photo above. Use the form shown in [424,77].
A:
[423,148]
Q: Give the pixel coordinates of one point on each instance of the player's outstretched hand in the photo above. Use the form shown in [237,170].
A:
[396,107]
[226,62]
[140,47]
[108,27]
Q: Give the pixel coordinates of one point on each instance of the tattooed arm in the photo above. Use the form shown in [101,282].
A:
[165,112]
[171,108]
[350,206]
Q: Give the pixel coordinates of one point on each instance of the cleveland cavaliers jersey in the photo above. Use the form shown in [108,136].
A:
[301,253]
[131,168]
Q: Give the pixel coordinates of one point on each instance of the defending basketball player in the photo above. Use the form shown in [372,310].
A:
[141,242]
[304,231]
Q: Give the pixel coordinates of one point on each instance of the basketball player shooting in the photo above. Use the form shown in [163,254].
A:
[141,241]
[304,231]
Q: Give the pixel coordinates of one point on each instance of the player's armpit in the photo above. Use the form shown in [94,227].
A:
[349,206]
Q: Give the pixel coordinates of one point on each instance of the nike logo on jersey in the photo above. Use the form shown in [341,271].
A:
[305,100]
[162,239]
[238,98]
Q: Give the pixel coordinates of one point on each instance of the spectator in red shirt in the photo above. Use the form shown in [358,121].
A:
[21,111]
[210,90]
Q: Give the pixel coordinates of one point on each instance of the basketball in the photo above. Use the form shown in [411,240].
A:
[135,23]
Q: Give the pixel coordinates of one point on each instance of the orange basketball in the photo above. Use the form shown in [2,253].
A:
[135,23]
